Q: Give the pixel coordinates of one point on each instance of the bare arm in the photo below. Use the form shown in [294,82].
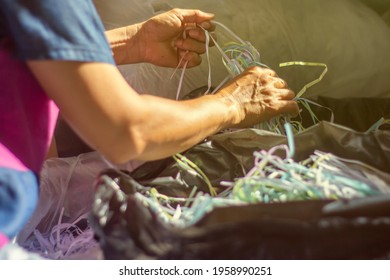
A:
[111,117]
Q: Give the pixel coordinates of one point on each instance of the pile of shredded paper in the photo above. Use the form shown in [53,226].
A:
[272,179]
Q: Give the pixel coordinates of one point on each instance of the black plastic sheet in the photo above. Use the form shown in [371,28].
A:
[317,229]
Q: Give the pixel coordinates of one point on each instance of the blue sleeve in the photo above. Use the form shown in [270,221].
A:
[56,30]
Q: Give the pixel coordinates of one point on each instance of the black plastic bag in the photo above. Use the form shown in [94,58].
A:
[321,229]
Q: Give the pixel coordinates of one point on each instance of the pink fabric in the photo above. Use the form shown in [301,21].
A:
[3,240]
[27,115]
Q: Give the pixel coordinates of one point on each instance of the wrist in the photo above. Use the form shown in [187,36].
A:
[125,45]
[136,42]
[231,109]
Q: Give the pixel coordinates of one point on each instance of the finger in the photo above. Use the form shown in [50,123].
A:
[289,107]
[192,16]
[280,94]
[200,35]
[269,77]
[197,34]
[191,58]
[263,72]
[286,94]
[208,25]
[191,45]
[280,84]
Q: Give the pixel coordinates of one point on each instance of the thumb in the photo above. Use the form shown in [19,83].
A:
[193,16]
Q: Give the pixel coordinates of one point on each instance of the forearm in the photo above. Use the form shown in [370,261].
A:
[113,119]
[122,40]
[169,127]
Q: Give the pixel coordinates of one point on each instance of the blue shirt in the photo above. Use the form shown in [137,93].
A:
[55,30]
[38,30]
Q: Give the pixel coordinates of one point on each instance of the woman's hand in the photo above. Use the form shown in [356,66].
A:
[258,95]
[171,36]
